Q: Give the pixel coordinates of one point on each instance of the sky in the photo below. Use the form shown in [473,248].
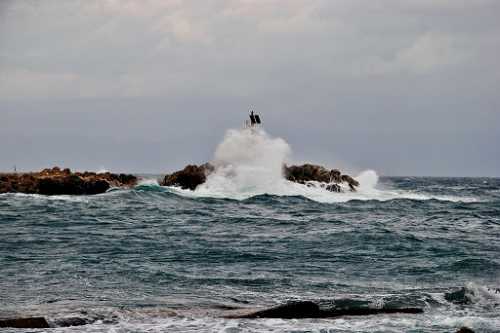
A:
[406,88]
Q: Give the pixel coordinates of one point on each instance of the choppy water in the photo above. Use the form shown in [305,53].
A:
[156,259]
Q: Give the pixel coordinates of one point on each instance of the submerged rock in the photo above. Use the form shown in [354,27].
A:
[71,321]
[308,309]
[35,322]
[56,182]
[465,330]
[194,175]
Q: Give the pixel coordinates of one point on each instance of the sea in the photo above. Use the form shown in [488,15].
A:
[162,259]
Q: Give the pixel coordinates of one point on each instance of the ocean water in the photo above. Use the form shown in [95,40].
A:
[163,259]
[159,259]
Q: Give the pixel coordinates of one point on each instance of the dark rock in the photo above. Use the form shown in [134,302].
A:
[35,322]
[351,181]
[290,310]
[189,177]
[71,321]
[310,172]
[333,188]
[306,172]
[307,309]
[55,182]
[465,330]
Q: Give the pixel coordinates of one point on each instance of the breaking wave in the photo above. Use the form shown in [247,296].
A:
[249,163]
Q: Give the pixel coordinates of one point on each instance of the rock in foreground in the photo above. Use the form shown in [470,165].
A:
[56,182]
[307,309]
[193,175]
[35,322]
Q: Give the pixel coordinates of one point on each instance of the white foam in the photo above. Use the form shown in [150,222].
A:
[102,170]
[439,322]
[249,162]
[482,295]
[41,197]
[148,182]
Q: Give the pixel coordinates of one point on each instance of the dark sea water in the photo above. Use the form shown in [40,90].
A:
[155,259]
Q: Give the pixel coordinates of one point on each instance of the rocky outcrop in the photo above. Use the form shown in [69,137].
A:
[56,182]
[309,172]
[40,322]
[308,309]
[193,175]
[35,322]
[189,177]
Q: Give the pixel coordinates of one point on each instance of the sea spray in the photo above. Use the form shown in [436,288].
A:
[247,162]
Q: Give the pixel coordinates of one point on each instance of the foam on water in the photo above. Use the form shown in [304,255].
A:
[249,162]
[41,197]
[436,322]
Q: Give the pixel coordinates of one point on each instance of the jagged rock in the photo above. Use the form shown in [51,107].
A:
[189,177]
[35,322]
[306,172]
[333,188]
[308,309]
[310,172]
[56,181]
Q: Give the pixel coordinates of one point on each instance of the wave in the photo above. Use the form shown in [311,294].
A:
[366,192]
[249,162]
[475,304]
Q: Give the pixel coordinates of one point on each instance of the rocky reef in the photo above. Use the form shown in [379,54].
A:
[193,175]
[34,322]
[309,172]
[308,309]
[189,177]
[56,182]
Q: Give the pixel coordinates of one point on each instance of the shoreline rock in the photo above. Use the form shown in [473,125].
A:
[194,175]
[58,182]
[34,322]
[308,309]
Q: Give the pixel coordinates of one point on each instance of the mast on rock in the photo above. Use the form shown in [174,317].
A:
[254,120]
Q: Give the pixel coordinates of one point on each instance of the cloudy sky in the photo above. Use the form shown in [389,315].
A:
[402,87]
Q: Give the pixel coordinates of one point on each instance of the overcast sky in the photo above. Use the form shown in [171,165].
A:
[402,87]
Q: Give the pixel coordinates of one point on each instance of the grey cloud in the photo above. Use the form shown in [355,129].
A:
[403,87]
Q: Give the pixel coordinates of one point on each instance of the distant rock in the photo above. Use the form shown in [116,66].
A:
[56,182]
[310,172]
[35,322]
[308,309]
[194,175]
[189,177]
